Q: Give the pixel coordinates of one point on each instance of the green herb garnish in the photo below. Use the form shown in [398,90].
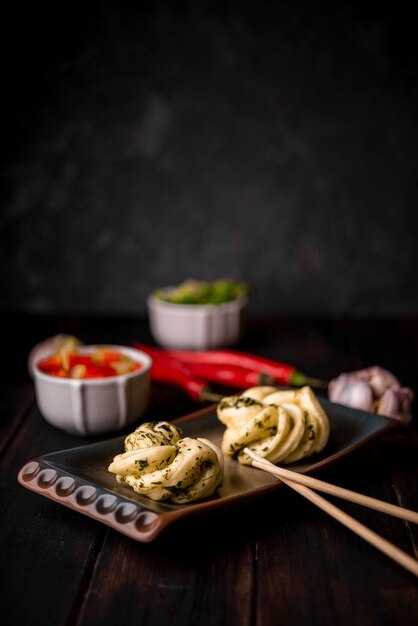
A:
[203,292]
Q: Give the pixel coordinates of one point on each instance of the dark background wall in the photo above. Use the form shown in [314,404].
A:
[148,142]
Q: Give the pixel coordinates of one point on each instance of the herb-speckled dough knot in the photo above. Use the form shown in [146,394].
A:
[281,426]
[162,465]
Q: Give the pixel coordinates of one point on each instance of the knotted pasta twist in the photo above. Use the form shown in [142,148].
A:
[163,466]
[281,426]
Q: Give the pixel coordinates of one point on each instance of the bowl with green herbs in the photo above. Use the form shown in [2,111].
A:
[198,314]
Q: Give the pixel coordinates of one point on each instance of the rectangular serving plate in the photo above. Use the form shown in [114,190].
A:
[78,477]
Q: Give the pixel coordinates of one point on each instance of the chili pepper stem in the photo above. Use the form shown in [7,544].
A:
[299,380]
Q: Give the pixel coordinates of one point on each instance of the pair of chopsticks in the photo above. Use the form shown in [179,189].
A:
[304,485]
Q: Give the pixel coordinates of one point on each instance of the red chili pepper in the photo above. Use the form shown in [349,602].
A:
[280,372]
[106,356]
[193,378]
[99,371]
[233,376]
[50,365]
[156,353]
[168,370]
[79,359]
[269,370]
[100,364]
[164,372]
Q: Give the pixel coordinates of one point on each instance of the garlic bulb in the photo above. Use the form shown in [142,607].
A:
[162,465]
[281,426]
[373,389]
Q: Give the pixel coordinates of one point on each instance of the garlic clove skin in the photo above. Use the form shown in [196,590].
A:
[337,386]
[355,393]
[378,378]
[358,395]
[396,403]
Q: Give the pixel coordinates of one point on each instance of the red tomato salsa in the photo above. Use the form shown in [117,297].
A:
[69,362]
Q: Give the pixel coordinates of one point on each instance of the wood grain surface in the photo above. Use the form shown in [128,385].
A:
[280,560]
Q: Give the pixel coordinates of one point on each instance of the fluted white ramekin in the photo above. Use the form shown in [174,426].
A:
[96,405]
[196,326]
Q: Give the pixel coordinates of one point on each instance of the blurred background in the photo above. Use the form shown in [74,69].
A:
[144,143]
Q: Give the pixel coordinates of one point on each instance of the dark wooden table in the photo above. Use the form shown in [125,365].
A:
[279,560]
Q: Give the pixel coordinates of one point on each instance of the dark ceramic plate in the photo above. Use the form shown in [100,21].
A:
[78,477]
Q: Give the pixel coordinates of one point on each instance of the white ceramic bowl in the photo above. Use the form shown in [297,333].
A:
[196,326]
[96,405]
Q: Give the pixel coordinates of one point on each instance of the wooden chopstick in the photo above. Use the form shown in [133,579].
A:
[334,490]
[393,552]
